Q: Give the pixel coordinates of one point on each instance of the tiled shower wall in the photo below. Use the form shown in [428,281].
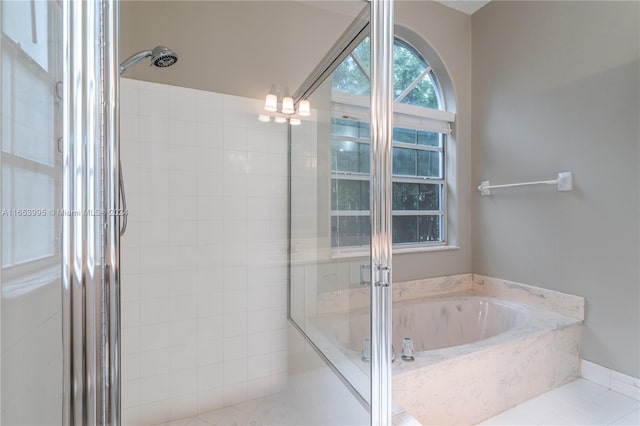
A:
[204,255]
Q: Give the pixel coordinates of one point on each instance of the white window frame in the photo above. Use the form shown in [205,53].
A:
[356,107]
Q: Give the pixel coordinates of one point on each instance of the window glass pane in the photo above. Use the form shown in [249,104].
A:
[364,52]
[429,228]
[429,138]
[405,229]
[364,130]
[349,156]
[26,23]
[349,78]
[407,66]
[350,231]
[429,164]
[424,94]
[416,196]
[37,233]
[349,194]
[404,162]
[7,229]
[344,127]
[404,135]
[33,116]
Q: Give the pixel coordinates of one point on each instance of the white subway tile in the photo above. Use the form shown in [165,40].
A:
[258,388]
[259,366]
[129,96]
[210,135]
[183,104]
[155,311]
[258,344]
[182,157]
[209,159]
[209,107]
[130,393]
[155,388]
[235,323]
[154,285]
[184,333]
[235,371]
[209,328]
[211,399]
[183,132]
[183,233]
[154,130]
[210,352]
[155,412]
[184,406]
[154,337]
[235,347]
[235,301]
[258,321]
[235,393]
[184,307]
[210,376]
[154,102]
[184,382]
[182,183]
[154,363]
[235,111]
[184,358]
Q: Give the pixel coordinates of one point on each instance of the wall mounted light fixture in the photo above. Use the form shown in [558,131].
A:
[287,111]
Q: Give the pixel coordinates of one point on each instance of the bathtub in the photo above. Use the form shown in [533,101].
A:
[475,355]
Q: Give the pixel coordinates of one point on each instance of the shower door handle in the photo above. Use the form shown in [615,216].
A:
[365,271]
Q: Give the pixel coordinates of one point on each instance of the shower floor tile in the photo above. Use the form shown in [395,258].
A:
[577,403]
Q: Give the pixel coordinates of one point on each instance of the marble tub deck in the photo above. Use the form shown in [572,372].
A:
[469,383]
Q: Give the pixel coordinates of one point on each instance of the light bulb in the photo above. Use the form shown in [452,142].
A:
[264,118]
[304,108]
[287,105]
[294,121]
[280,120]
[271,103]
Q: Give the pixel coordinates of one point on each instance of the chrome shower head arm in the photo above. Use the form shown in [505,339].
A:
[134,59]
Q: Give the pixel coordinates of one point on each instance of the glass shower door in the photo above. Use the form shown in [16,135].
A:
[340,210]
[31,164]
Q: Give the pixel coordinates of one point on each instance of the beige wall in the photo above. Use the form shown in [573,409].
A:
[555,88]
[448,32]
[234,47]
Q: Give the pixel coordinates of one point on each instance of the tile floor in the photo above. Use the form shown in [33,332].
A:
[578,403]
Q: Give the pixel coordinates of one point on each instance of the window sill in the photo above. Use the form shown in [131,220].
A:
[396,250]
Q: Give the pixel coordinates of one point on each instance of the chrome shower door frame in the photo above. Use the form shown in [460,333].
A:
[381,208]
[90,233]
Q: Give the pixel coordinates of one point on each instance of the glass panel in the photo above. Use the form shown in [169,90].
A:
[407,66]
[31,188]
[404,162]
[26,24]
[416,229]
[416,196]
[350,231]
[429,228]
[319,281]
[429,138]
[429,164]
[349,156]
[349,194]
[424,94]
[405,229]
[404,135]
[349,78]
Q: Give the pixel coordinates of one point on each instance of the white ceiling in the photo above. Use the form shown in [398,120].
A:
[466,6]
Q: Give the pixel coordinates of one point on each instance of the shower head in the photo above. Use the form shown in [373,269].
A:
[161,56]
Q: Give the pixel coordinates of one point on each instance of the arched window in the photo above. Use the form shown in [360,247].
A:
[421,126]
